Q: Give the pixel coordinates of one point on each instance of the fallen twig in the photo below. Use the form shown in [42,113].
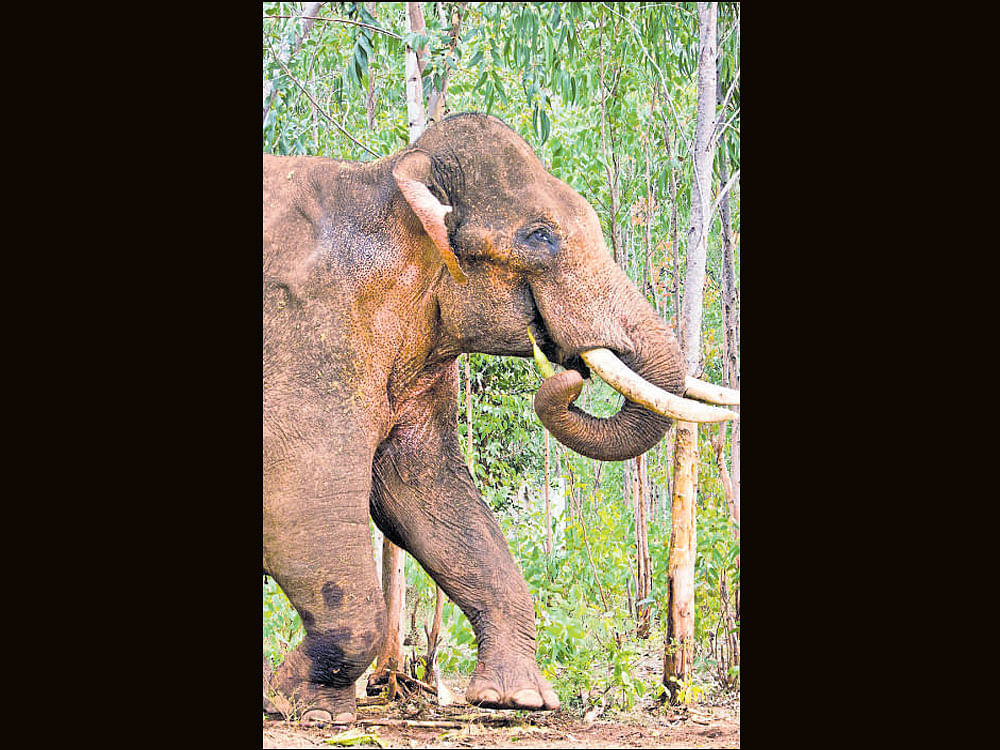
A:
[434,724]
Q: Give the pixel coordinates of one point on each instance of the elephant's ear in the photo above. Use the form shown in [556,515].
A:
[412,174]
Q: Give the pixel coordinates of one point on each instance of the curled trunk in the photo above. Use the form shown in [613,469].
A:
[634,429]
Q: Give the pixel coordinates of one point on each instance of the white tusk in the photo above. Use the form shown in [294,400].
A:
[635,388]
[714,394]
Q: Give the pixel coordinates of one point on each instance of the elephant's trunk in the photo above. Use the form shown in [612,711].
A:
[634,429]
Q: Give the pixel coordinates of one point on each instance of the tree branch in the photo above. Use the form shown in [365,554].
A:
[343,20]
[721,127]
[319,109]
[715,207]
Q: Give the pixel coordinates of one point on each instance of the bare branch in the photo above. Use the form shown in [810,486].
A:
[715,207]
[343,20]
[720,127]
[722,193]
[319,109]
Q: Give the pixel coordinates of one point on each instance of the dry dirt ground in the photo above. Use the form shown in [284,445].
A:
[417,724]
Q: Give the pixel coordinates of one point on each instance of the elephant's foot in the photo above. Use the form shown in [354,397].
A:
[511,683]
[315,705]
[311,703]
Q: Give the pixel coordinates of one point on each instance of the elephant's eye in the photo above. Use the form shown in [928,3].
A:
[544,238]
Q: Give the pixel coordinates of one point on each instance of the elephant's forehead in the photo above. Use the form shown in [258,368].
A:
[519,192]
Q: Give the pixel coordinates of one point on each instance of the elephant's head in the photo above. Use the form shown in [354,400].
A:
[525,251]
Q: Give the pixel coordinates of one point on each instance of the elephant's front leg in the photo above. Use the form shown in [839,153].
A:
[424,500]
[317,545]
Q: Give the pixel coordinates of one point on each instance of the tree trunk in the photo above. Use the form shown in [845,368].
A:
[675,250]
[390,657]
[416,116]
[644,578]
[437,101]
[468,415]
[730,353]
[731,323]
[370,97]
[679,652]
[650,284]
[548,505]
[610,160]
[679,648]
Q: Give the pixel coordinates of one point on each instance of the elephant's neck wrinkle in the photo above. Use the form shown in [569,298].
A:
[413,398]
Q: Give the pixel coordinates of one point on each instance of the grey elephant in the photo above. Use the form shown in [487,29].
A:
[376,276]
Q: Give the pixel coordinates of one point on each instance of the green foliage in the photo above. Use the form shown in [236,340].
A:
[282,625]
[554,72]
[506,440]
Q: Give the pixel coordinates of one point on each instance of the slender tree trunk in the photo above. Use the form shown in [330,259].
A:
[729,645]
[668,461]
[644,578]
[610,160]
[719,445]
[648,266]
[730,317]
[675,250]
[730,355]
[627,487]
[416,115]
[393,568]
[370,96]
[468,415]
[679,653]
[437,102]
[548,504]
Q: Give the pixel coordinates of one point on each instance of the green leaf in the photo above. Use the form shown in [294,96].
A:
[356,736]
[499,86]
[541,361]
[352,74]
[365,44]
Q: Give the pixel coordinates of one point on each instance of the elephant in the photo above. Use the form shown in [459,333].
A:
[376,277]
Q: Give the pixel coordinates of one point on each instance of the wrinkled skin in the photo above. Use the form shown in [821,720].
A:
[364,316]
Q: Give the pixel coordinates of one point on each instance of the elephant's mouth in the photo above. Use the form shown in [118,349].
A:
[571,360]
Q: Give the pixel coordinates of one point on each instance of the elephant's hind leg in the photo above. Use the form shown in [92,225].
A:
[320,553]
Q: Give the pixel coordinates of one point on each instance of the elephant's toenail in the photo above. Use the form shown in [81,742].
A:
[527,698]
[317,716]
[487,696]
